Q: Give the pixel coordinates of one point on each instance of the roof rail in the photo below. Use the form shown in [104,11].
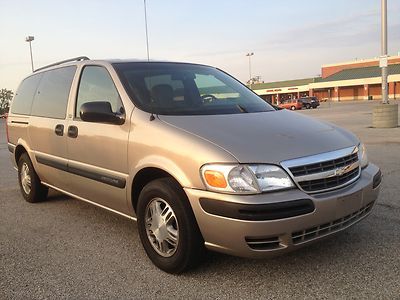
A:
[79,58]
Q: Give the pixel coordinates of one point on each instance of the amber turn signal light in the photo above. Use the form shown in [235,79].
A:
[215,179]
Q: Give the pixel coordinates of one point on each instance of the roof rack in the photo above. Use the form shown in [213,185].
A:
[79,58]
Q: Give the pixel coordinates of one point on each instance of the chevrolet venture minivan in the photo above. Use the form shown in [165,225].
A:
[198,159]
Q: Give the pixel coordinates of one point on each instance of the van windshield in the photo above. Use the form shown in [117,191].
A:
[186,89]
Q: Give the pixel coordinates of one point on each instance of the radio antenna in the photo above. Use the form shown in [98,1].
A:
[147,34]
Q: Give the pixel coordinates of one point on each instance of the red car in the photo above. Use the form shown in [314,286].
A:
[292,104]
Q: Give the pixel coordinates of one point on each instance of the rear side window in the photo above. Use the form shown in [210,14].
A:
[22,101]
[51,99]
[96,84]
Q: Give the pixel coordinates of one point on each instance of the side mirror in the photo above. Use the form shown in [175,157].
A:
[100,112]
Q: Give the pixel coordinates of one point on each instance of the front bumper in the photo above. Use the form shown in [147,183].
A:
[333,211]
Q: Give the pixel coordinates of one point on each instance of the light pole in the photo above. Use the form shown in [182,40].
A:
[250,54]
[29,39]
[384,58]
[384,115]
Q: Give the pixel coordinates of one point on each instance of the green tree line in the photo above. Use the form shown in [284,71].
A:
[5,100]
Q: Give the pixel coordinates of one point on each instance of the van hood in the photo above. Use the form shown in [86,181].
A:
[265,137]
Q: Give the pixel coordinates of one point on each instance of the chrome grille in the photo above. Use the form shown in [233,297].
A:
[328,183]
[325,165]
[327,228]
[326,171]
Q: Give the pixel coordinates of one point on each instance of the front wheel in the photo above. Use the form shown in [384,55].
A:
[167,227]
[293,108]
[31,188]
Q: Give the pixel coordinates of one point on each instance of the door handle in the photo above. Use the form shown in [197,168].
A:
[72,131]
[59,130]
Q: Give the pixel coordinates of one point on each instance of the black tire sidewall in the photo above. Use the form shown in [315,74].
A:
[190,241]
[38,192]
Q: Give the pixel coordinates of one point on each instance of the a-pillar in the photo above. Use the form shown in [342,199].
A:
[391,92]
[335,96]
[366,92]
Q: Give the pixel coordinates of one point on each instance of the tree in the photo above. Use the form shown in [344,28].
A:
[5,99]
[255,80]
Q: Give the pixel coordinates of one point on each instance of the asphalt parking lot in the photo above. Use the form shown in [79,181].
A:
[64,248]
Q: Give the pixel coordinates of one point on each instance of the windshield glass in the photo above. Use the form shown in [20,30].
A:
[186,89]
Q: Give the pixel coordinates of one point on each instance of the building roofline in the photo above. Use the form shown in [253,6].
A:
[357,61]
[283,83]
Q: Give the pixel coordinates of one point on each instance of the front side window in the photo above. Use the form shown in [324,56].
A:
[52,95]
[96,84]
[186,89]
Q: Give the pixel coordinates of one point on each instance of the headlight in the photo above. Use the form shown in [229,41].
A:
[245,179]
[362,155]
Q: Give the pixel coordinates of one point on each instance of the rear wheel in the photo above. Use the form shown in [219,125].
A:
[31,188]
[293,107]
[167,227]
[308,106]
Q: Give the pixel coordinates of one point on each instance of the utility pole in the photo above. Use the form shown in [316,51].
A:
[384,58]
[249,55]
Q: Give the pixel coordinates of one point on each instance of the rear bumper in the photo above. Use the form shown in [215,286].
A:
[237,232]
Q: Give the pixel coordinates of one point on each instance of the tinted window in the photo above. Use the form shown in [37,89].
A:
[96,84]
[186,89]
[22,101]
[51,99]
[176,85]
[212,86]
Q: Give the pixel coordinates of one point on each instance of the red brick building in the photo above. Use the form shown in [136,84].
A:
[356,80]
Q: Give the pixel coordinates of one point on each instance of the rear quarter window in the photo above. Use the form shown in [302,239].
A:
[52,95]
[22,101]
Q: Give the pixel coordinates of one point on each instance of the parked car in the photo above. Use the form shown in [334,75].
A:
[198,159]
[291,104]
[309,102]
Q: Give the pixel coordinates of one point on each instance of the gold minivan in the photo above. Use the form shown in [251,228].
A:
[198,159]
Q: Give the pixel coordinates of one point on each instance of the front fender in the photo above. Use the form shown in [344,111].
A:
[167,165]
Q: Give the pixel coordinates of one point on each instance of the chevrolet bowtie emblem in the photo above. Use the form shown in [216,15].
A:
[340,171]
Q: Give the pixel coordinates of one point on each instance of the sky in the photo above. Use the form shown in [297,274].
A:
[290,39]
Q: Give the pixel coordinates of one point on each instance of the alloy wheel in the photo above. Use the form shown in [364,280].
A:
[162,227]
[26,180]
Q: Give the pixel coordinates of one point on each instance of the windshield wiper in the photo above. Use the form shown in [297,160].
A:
[241,108]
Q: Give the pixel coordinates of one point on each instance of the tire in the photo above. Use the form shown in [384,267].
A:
[176,245]
[308,106]
[31,188]
[293,108]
